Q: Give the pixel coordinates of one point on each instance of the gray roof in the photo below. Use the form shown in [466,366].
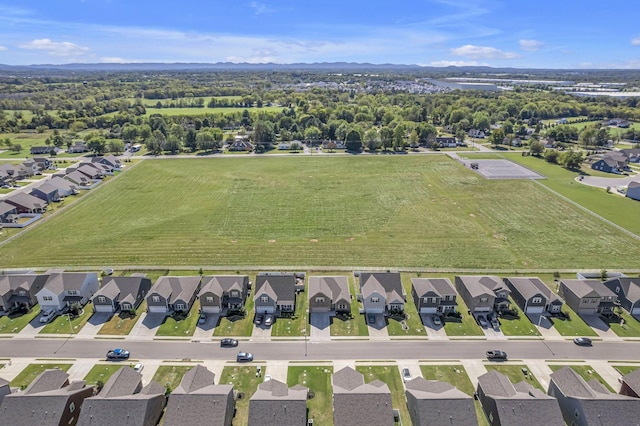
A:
[278,287]
[633,381]
[356,403]
[630,287]
[6,207]
[274,404]
[28,282]
[89,170]
[530,286]
[77,177]
[221,284]
[588,288]
[176,288]
[197,401]
[478,285]
[46,187]
[633,184]
[61,183]
[336,288]
[46,381]
[26,200]
[61,281]
[439,286]
[124,382]
[441,403]
[389,283]
[123,286]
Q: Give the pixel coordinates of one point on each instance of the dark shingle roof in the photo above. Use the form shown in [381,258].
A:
[633,381]
[26,281]
[274,404]
[440,286]
[61,281]
[356,403]
[26,200]
[440,403]
[123,382]
[478,285]
[176,288]
[6,207]
[530,286]
[337,288]
[590,288]
[278,287]
[630,287]
[389,283]
[220,284]
[124,286]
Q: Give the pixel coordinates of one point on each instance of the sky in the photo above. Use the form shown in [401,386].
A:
[520,34]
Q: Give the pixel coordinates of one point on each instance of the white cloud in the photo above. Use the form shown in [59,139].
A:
[259,8]
[2,48]
[482,52]
[636,41]
[454,63]
[531,45]
[55,48]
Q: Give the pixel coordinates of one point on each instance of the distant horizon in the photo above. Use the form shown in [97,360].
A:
[436,33]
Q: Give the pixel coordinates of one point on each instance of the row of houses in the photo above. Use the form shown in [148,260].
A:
[75,148]
[616,161]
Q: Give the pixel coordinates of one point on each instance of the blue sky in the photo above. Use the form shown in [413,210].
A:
[539,34]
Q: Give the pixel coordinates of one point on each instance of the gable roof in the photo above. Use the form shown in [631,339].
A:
[221,284]
[77,177]
[478,285]
[124,382]
[6,207]
[277,287]
[275,404]
[29,282]
[356,403]
[528,287]
[26,200]
[439,286]
[388,283]
[176,288]
[633,381]
[127,287]
[61,183]
[57,282]
[335,287]
[440,403]
[588,288]
[196,378]
[46,187]
[630,287]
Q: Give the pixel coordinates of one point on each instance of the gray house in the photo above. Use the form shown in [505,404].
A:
[48,401]
[329,294]
[438,404]
[121,293]
[382,292]
[110,160]
[173,294]
[590,403]
[198,401]
[26,203]
[64,187]
[123,401]
[275,294]
[19,290]
[274,404]
[533,296]
[483,294]
[358,403]
[46,192]
[631,384]
[222,293]
[91,172]
[587,297]
[520,404]
[8,212]
[628,292]
[434,295]
[633,190]
[79,179]
[62,289]
[5,389]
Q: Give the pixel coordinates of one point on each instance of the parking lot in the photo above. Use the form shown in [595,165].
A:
[501,169]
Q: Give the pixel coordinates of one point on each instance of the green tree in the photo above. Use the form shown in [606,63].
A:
[97,144]
[551,156]
[115,146]
[496,137]
[536,148]
[209,139]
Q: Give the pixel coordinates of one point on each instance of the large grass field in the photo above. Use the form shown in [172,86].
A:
[412,211]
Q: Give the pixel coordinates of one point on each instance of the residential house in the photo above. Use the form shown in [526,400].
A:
[275,294]
[50,400]
[475,133]
[591,403]
[124,401]
[8,212]
[91,172]
[613,162]
[533,296]
[43,163]
[78,147]
[19,290]
[382,292]
[38,150]
[198,401]
[628,292]
[587,297]
[631,384]
[173,294]
[483,294]
[549,143]
[446,142]
[358,403]
[520,404]
[6,178]
[241,145]
[31,167]
[26,203]
[16,172]
[438,404]
[110,160]
[275,404]
[121,293]
[46,192]
[103,168]
[79,179]
[434,295]
[633,190]
[62,289]
[329,294]
[5,389]
[222,293]
[633,154]
[65,187]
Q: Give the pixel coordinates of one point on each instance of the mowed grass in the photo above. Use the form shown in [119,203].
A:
[170,376]
[390,375]
[630,327]
[515,374]
[626,369]
[298,323]
[355,325]
[101,372]
[180,326]
[15,323]
[60,325]
[26,376]
[419,211]
[122,322]
[245,382]
[586,372]
[573,326]
[318,380]
[520,326]
[237,326]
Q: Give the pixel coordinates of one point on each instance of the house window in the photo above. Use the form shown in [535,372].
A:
[180,306]
[536,300]
[102,299]
[342,307]
[209,299]
[72,407]
[264,299]
[47,298]
[126,307]
[593,301]
[72,292]
[484,300]
[235,294]
[375,299]
[320,299]
[22,293]
[155,299]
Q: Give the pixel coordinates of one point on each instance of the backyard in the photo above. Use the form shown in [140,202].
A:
[318,380]
[170,376]
[245,381]
[13,323]
[26,376]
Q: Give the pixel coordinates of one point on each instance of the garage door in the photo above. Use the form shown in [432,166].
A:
[320,309]
[265,309]
[157,309]
[535,309]
[483,309]
[374,310]
[588,311]
[210,309]
[103,308]
[428,310]
[635,311]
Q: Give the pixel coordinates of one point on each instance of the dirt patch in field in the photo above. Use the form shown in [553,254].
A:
[234,241]
[272,241]
[313,240]
[350,239]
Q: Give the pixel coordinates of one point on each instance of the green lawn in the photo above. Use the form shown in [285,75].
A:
[456,376]
[354,209]
[179,325]
[245,382]
[626,369]
[465,326]
[60,325]
[101,372]
[630,326]
[170,376]
[390,375]
[412,323]
[15,323]
[297,323]
[318,380]
[354,326]
[574,326]
[586,371]
[26,376]
[520,326]
[237,326]
[515,374]
[123,322]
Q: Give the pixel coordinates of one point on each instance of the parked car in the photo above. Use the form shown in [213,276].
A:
[436,320]
[138,367]
[406,375]
[203,318]
[107,271]
[268,319]
[228,343]
[48,316]
[483,322]
[118,353]
[500,355]
[371,318]
[258,319]
[244,356]
[495,323]
[582,341]
[267,377]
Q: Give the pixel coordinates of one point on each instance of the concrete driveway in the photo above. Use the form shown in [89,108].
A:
[544,326]
[206,330]
[378,330]
[320,323]
[32,329]
[261,333]
[94,324]
[147,326]
[600,327]
[434,332]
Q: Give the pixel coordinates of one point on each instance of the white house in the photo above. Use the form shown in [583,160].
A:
[65,288]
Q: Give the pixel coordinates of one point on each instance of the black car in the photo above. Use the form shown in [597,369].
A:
[582,341]
[228,343]
[499,355]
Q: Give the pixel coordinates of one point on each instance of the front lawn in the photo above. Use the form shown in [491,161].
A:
[123,322]
[297,323]
[354,325]
[586,371]
[180,324]
[60,325]
[517,326]
[464,326]
[237,325]
[14,323]
[411,325]
[101,372]
[170,376]
[26,376]
[245,382]
[630,327]
[318,380]
[571,326]
[390,375]
[626,369]
[515,374]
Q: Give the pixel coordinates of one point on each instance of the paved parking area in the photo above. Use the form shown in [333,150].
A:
[94,324]
[378,330]
[261,333]
[544,326]
[434,332]
[147,326]
[320,323]
[206,330]
[599,326]
[32,329]
[503,169]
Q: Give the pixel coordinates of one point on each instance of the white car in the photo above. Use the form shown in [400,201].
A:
[202,319]
[406,375]
[47,316]
[138,367]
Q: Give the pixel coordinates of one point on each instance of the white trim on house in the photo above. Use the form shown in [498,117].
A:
[535,309]
[103,308]
[157,309]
